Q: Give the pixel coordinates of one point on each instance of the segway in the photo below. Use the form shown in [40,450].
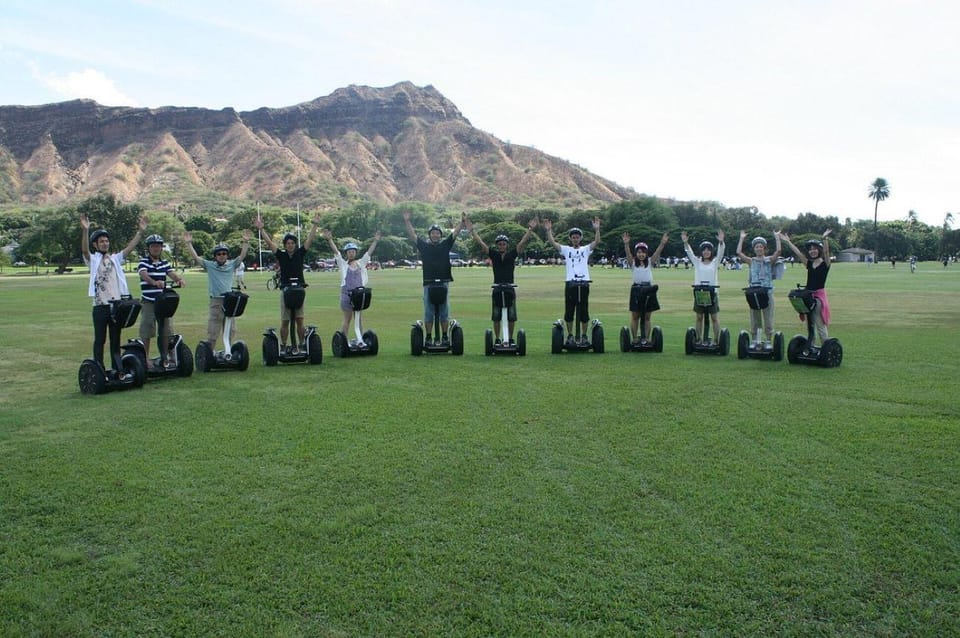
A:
[234,356]
[579,343]
[437,296]
[164,307]
[506,296]
[643,294]
[366,343]
[705,296]
[128,370]
[801,349]
[310,350]
[753,346]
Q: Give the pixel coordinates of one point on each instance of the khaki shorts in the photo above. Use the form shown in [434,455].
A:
[215,323]
[285,312]
[148,321]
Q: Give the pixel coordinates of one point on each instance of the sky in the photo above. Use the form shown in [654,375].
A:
[791,106]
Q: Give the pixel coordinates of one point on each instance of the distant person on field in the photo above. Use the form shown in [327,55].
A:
[107,284]
[762,274]
[503,260]
[353,272]
[220,273]
[154,270]
[816,258]
[705,273]
[435,255]
[641,264]
[576,259]
[240,272]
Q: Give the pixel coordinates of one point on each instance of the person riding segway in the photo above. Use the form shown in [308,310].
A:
[355,296]
[762,342]
[576,294]
[706,304]
[640,337]
[812,305]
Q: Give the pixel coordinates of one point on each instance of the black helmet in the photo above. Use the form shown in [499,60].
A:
[97,234]
[813,243]
[434,227]
[289,236]
[221,248]
[574,231]
[501,238]
[706,244]
[154,239]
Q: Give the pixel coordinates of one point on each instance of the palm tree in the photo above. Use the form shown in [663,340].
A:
[879,191]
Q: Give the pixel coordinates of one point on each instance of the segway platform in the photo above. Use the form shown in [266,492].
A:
[758,298]
[366,342]
[130,372]
[311,350]
[164,307]
[233,356]
[579,343]
[705,296]
[505,296]
[801,350]
[653,344]
[437,295]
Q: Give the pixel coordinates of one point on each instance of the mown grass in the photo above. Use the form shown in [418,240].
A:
[546,495]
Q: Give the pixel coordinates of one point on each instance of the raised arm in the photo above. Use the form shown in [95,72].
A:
[411,233]
[655,257]
[258,224]
[796,251]
[85,239]
[244,245]
[548,226]
[326,234]
[188,240]
[826,247]
[686,246]
[141,226]
[721,247]
[313,232]
[740,253]
[373,245]
[476,237]
[526,236]
[776,253]
[596,233]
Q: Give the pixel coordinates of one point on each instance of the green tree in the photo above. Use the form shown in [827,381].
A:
[106,211]
[879,191]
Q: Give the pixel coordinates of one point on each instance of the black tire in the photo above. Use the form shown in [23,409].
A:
[743,344]
[315,348]
[831,354]
[184,360]
[488,342]
[271,351]
[689,339]
[131,363]
[92,378]
[456,340]
[656,336]
[416,340]
[521,343]
[240,354]
[724,348]
[203,357]
[373,343]
[624,339]
[597,338]
[556,340]
[795,348]
[339,345]
[778,346]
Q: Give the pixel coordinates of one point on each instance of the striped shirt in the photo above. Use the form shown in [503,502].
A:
[156,270]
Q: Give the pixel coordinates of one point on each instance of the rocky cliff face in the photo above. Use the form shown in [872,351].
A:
[393,144]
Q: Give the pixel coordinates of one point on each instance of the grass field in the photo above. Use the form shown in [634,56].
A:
[561,495]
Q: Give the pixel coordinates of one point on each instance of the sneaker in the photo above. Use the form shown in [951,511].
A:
[428,342]
[285,350]
[571,341]
[512,343]
[170,366]
[294,350]
[767,345]
[445,341]
[497,343]
[126,377]
[583,340]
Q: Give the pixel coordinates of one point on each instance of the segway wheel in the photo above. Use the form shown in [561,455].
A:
[488,342]
[778,346]
[743,344]
[184,360]
[597,339]
[92,378]
[624,339]
[556,340]
[373,343]
[271,351]
[689,340]
[339,345]
[724,349]
[416,340]
[656,336]
[132,364]
[521,343]
[795,348]
[456,340]
[315,348]
[241,354]
[203,356]
[831,354]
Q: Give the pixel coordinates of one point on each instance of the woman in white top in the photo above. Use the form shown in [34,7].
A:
[353,272]
[642,264]
[705,273]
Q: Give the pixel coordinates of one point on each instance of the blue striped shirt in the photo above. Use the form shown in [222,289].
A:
[156,270]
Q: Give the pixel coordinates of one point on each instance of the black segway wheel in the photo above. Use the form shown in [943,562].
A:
[624,339]
[724,348]
[456,340]
[796,348]
[689,339]
[203,357]
[373,343]
[92,378]
[338,345]
[184,360]
[488,342]
[241,354]
[743,344]
[521,343]
[831,354]
[416,340]
[778,346]
[315,348]
[656,336]
[271,351]
[132,364]
[596,336]
[556,339]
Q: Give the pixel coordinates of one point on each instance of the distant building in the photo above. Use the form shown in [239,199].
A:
[856,254]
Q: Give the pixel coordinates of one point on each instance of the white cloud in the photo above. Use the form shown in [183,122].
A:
[90,84]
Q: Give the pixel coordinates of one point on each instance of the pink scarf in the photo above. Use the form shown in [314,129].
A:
[821,296]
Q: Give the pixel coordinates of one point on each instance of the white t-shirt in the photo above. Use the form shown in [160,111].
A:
[112,289]
[705,273]
[577,262]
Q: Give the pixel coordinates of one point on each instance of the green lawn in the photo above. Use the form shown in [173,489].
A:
[570,495]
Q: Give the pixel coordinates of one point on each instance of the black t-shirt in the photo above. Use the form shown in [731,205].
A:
[291,266]
[817,277]
[436,259]
[503,265]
